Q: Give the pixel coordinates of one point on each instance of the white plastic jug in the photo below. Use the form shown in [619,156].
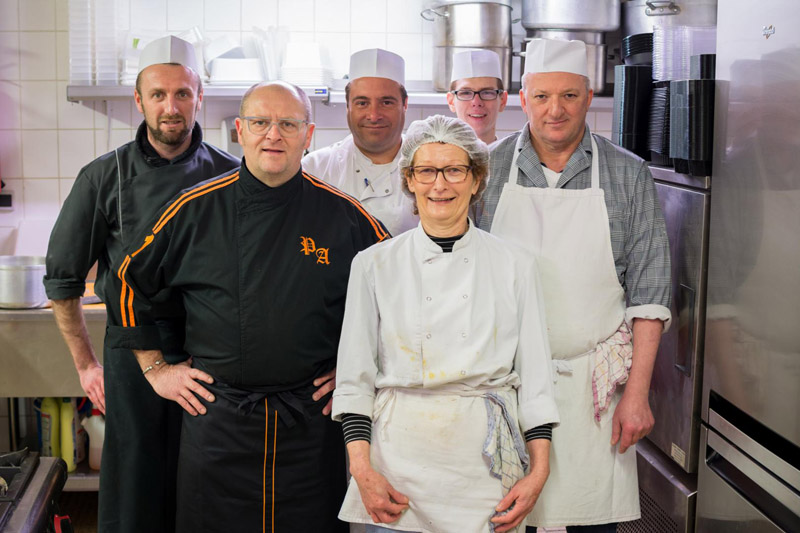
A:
[96,428]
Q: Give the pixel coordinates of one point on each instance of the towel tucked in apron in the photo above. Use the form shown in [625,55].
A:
[453,452]
[261,461]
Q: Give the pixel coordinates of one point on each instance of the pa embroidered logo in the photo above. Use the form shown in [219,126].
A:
[309,247]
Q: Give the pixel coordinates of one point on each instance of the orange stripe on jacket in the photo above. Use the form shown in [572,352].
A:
[379,231]
[264,478]
[191,191]
[128,319]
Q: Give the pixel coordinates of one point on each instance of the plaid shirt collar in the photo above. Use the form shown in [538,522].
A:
[531,166]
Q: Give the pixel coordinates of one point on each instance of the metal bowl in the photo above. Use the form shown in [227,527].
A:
[21,285]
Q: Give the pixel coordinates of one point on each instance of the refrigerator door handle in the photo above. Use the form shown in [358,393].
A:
[684,355]
[754,483]
[752,448]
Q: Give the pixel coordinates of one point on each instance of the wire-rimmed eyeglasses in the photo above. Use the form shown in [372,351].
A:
[288,127]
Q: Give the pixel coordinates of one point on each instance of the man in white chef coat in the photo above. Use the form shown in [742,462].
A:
[588,210]
[477,95]
[365,163]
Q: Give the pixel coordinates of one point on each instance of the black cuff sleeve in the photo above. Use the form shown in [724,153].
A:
[545,431]
[136,338]
[356,427]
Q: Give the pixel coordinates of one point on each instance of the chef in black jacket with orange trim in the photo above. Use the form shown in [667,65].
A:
[261,258]
[112,201]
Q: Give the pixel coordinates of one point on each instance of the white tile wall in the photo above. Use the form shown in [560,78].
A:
[9,16]
[37,57]
[45,140]
[9,51]
[37,15]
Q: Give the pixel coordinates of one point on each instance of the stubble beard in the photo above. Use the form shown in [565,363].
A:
[173,138]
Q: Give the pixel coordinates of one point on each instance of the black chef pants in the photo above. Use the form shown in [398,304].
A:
[140,451]
[261,471]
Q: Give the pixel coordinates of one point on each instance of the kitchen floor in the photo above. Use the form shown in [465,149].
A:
[81,507]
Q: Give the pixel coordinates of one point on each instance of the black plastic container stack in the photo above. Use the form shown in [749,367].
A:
[659,125]
[631,119]
[638,49]
[692,119]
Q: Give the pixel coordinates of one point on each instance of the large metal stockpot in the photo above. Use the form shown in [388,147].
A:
[572,15]
[466,25]
[21,284]
[639,16]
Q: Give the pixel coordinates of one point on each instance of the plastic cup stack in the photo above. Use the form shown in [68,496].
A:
[105,52]
[81,66]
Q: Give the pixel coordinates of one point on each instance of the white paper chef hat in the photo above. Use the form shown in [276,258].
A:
[552,55]
[476,64]
[169,49]
[377,63]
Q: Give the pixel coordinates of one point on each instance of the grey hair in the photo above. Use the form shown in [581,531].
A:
[445,130]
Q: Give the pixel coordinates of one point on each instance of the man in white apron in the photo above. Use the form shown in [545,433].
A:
[589,211]
[477,95]
[364,164]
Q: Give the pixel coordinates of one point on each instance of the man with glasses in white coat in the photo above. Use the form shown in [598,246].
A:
[365,163]
[477,95]
[588,210]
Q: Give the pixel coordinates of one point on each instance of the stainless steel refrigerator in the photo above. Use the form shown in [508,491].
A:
[749,455]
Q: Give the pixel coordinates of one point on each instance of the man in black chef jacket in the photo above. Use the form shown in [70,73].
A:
[261,258]
[112,198]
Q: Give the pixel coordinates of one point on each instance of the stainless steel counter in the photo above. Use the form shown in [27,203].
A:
[34,360]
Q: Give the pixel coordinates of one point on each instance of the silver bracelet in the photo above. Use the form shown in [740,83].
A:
[154,365]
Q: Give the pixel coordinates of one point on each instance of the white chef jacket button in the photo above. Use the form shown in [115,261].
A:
[464,335]
[465,296]
[466,260]
[463,372]
[428,336]
[428,298]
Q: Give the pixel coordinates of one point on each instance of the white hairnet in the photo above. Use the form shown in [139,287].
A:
[442,129]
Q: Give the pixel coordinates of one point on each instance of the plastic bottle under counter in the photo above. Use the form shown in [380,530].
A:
[96,428]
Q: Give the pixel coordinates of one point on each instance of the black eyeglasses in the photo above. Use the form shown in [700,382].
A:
[485,94]
[451,173]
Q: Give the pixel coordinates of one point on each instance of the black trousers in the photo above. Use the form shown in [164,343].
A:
[272,469]
[140,451]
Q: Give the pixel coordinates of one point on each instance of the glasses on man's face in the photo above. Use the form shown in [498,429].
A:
[288,127]
[451,173]
[485,94]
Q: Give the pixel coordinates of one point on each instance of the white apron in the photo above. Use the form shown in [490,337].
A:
[428,444]
[568,230]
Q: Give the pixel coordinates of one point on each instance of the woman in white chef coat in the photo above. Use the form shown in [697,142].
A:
[444,380]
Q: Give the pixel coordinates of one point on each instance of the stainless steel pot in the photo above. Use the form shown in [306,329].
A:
[639,16]
[595,53]
[573,15]
[21,284]
[460,26]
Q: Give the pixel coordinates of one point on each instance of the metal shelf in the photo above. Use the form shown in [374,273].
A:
[78,93]
[83,479]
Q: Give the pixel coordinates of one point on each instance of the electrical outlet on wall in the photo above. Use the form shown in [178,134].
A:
[6,203]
